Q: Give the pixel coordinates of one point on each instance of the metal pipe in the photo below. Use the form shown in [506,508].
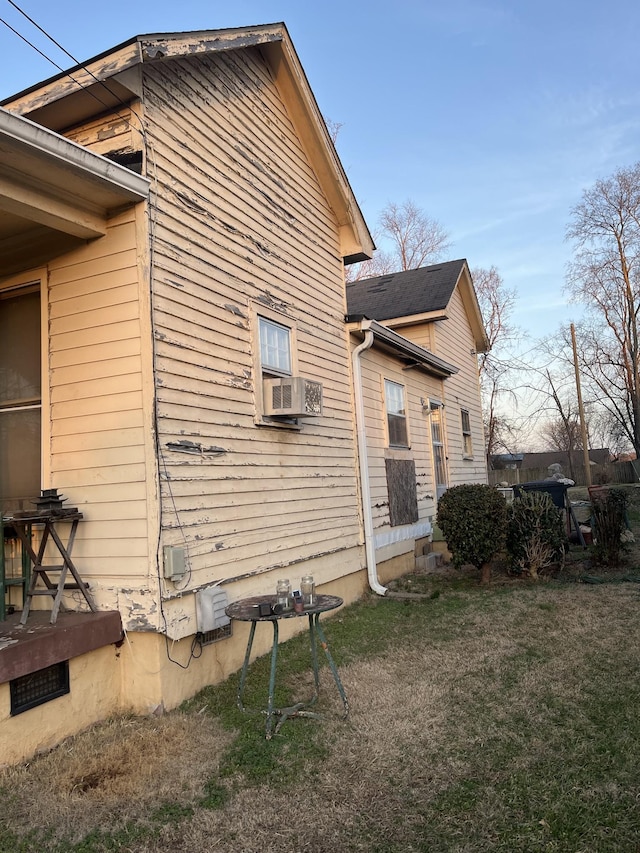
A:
[365,489]
[583,423]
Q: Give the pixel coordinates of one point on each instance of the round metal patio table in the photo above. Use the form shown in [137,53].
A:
[247,610]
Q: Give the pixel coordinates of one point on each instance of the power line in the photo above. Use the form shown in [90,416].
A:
[68,73]
[37,49]
[44,32]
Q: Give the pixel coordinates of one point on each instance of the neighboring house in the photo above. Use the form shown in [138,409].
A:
[173,360]
[421,392]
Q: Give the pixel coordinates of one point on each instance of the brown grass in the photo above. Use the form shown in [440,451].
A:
[428,714]
[417,713]
[113,773]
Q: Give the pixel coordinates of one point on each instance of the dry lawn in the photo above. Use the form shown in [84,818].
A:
[476,729]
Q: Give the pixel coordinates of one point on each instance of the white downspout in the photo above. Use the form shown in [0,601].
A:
[365,489]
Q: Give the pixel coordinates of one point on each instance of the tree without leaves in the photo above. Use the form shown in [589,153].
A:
[333,128]
[605,276]
[416,240]
[554,389]
[563,432]
[496,365]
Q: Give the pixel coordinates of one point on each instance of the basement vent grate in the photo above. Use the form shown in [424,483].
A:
[208,637]
[39,687]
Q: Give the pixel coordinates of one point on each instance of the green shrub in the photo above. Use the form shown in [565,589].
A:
[609,514]
[536,534]
[473,518]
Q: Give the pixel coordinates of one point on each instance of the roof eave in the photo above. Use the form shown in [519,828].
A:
[277,48]
[470,300]
[49,183]
[412,354]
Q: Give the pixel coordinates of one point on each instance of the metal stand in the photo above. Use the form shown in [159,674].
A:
[244,610]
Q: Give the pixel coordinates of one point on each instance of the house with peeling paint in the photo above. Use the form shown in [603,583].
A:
[177,388]
[415,338]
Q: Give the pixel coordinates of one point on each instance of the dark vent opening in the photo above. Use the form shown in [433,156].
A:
[39,687]
[131,160]
[208,637]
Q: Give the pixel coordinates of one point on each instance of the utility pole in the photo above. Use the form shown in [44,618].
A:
[583,425]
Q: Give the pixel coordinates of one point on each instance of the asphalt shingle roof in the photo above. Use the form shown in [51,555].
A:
[401,294]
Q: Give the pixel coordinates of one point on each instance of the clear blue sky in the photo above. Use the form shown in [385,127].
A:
[492,115]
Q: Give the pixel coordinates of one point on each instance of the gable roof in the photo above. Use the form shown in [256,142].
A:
[401,294]
[414,296]
[108,80]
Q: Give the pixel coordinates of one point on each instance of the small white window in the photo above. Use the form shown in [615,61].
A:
[466,433]
[275,348]
[396,413]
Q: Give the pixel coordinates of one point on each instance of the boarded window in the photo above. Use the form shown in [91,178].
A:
[401,488]
[396,414]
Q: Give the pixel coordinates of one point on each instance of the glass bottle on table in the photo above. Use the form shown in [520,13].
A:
[308,590]
[283,594]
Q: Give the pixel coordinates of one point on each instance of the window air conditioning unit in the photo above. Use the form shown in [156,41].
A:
[292,397]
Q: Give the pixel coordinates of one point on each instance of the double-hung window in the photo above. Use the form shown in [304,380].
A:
[396,414]
[275,348]
[467,445]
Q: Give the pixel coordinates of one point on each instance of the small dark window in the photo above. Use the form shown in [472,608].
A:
[466,433]
[39,687]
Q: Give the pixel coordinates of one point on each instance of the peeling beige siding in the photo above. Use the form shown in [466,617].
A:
[240,222]
[99,457]
[108,134]
[454,340]
[376,367]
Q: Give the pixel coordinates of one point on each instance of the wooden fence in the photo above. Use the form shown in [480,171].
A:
[611,472]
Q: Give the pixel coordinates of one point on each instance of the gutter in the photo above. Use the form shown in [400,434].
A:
[413,354]
[27,136]
[365,489]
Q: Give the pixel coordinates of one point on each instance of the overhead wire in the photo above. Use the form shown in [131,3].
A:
[88,71]
[141,131]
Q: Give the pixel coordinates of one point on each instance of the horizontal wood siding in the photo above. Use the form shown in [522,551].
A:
[240,222]
[455,342]
[109,134]
[98,457]
[376,367]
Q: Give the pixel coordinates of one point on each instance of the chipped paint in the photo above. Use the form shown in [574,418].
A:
[190,447]
[234,309]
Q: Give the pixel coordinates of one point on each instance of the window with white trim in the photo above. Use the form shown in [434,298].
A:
[274,356]
[467,444]
[396,414]
[275,348]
